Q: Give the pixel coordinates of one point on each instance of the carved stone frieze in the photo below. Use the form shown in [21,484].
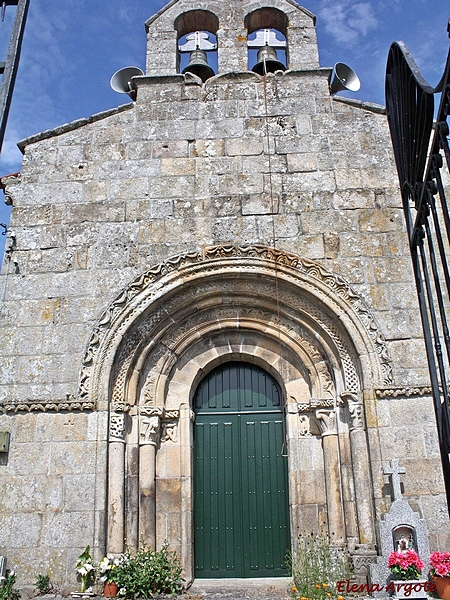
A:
[403,392]
[133,301]
[73,405]
[315,403]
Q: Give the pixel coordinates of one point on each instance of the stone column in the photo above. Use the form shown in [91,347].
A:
[149,432]
[361,469]
[116,483]
[327,420]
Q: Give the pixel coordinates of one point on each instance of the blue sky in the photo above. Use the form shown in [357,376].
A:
[72,47]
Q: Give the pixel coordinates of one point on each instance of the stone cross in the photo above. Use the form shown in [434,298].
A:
[2,566]
[395,471]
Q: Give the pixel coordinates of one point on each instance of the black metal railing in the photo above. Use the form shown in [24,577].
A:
[422,156]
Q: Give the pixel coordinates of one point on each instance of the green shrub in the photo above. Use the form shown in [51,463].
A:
[317,566]
[148,572]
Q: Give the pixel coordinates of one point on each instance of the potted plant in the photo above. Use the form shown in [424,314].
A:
[440,572]
[406,568]
[108,568]
[85,569]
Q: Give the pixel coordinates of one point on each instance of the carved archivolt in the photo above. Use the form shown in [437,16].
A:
[204,289]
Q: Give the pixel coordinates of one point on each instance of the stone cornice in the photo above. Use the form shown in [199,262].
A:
[71,404]
[405,392]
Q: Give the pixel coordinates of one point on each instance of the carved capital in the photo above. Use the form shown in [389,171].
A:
[355,409]
[327,420]
[304,428]
[169,431]
[117,427]
[149,430]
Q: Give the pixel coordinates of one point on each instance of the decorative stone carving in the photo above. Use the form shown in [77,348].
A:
[169,432]
[71,404]
[117,427]
[304,428]
[362,557]
[355,409]
[327,421]
[126,307]
[149,429]
[403,392]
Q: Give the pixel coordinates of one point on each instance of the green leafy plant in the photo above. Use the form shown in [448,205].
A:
[316,566]
[85,568]
[42,584]
[148,572]
[405,565]
[7,589]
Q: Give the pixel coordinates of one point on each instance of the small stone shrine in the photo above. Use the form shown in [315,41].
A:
[401,529]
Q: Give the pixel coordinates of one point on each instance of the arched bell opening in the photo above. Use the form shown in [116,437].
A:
[197,43]
[267,40]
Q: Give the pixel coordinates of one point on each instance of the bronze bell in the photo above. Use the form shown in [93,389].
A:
[268,56]
[198,65]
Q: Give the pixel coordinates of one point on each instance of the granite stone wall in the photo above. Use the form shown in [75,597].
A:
[240,160]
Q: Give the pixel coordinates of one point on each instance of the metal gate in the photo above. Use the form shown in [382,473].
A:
[422,157]
[241,511]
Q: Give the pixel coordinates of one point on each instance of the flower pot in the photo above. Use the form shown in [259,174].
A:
[110,589]
[442,587]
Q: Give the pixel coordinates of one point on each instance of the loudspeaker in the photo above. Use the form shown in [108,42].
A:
[343,78]
[121,80]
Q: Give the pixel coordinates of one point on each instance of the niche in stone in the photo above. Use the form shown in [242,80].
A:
[404,538]
[267,45]
[197,43]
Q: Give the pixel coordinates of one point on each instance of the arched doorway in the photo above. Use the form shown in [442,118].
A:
[241,506]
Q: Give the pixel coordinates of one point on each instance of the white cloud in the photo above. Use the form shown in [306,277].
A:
[348,22]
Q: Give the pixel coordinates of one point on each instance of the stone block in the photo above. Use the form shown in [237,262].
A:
[208,148]
[302,163]
[387,270]
[244,146]
[381,220]
[177,166]
[78,491]
[171,186]
[72,458]
[168,495]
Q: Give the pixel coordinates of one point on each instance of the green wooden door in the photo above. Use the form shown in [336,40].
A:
[240,478]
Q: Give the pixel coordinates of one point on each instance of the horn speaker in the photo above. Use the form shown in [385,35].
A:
[343,78]
[121,80]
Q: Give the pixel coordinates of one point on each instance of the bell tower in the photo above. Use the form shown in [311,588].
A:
[231,23]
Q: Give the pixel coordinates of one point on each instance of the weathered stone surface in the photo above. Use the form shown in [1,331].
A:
[105,315]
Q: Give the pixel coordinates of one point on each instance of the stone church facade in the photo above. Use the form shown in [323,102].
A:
[249,221]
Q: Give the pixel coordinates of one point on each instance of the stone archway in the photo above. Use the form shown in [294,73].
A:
[176,323]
